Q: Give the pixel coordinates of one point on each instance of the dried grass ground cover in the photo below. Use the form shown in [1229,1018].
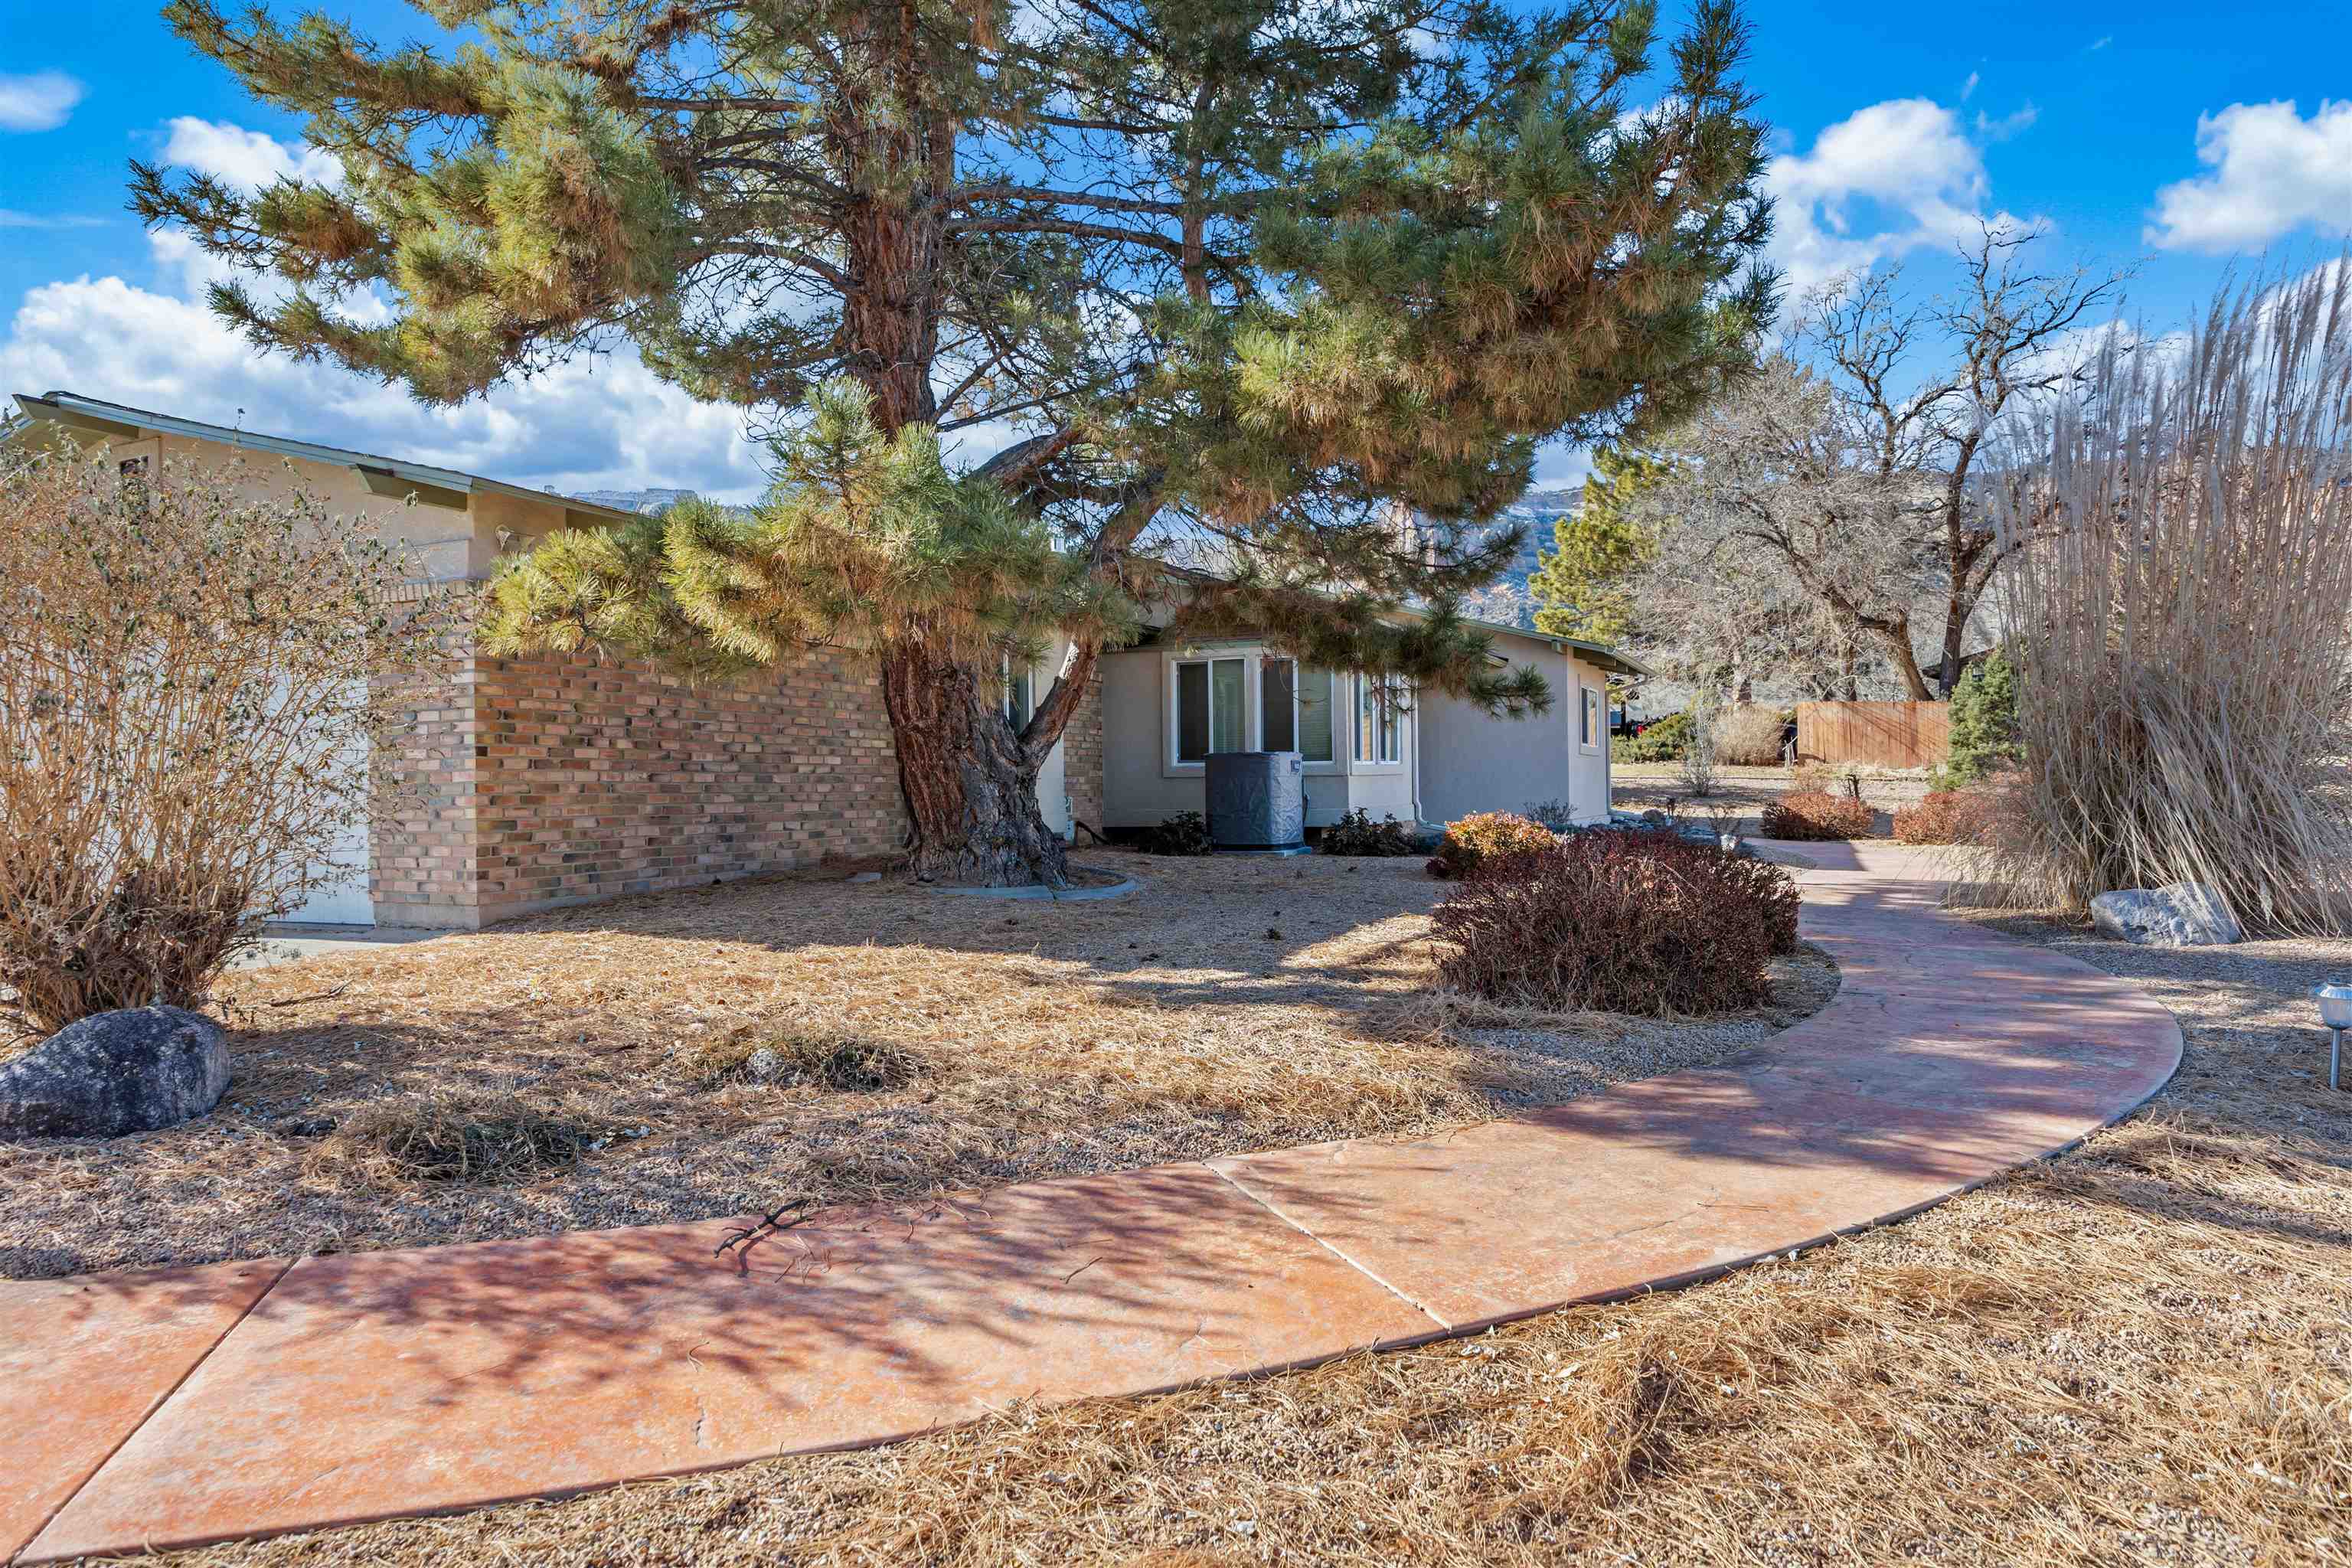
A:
[2139,1353]
[694,1054]
[1640,786]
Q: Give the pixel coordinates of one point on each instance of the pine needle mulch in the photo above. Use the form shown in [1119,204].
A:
[700,1054]
[2141,1352]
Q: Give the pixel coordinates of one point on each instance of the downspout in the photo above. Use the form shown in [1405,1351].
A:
[1609,750]
[1416,763]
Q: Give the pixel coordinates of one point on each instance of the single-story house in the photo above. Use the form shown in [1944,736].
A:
[527,785]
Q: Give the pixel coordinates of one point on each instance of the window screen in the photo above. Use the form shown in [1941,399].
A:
[1315,717]
[1277,706]
[1226,705]
[1191,713]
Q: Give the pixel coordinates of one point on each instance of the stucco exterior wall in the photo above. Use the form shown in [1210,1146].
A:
[444,542]
[1142,787]
[1474,762]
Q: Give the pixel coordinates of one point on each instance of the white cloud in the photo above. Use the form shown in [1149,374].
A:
[597,423]
[589,425]
[1969,86]
[247,159]
[1882,182]
[2008,125]
[2271,170]
[40,101]
[1560,467]
[2101,42]
[10,218]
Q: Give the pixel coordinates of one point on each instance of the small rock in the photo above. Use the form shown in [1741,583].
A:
[866,876]
[129,1071]
[765,1065]
[2185,914]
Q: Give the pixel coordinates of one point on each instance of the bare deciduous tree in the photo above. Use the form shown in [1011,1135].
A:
[1834,498]
[1783,542]
[2005,331]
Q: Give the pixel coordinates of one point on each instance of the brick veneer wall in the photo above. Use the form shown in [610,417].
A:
[524,784]
[1082,758]
[421,851]
[594,778]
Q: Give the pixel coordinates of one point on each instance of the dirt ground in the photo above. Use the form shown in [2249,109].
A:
[2139,1353]
[700,1054]
[1642,786]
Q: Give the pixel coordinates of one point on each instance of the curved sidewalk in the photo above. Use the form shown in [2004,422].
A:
[175,1408]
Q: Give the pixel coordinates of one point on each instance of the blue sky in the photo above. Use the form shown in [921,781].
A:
[2162,135]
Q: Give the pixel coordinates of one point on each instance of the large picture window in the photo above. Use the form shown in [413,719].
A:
[1379,716]
[1209,707]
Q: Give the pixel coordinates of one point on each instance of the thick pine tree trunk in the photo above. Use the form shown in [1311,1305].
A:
[971,788]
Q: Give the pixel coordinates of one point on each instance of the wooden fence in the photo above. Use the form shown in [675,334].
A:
[1889,734]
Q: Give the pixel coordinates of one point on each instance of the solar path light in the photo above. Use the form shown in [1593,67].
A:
[2335,1016]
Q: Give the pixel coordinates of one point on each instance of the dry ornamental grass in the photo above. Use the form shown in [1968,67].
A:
[699,1055]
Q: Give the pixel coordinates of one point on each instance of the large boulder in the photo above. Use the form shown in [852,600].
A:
[112,1073]
[2186,914]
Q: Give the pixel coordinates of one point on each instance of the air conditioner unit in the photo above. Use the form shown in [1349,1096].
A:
[1257,800]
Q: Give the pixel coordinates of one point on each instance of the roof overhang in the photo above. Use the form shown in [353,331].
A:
[390,477]
[1601,655]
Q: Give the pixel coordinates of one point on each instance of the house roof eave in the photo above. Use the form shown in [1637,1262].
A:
[382,475]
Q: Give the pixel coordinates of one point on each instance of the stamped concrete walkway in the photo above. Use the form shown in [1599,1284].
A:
[163,1409]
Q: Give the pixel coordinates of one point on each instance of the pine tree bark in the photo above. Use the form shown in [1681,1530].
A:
[971,784]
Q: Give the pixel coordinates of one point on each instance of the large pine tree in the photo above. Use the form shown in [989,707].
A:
[1233,279]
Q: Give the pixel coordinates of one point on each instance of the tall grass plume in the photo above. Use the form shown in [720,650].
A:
[2181,619]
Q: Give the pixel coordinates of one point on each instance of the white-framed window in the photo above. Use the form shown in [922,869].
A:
[1588,720]
[1379,719]
[1210,707]
[1020,694]
[1295,710]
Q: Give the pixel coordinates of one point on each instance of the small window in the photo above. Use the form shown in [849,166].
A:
[1379,718]
[1208,707]
[1588,734]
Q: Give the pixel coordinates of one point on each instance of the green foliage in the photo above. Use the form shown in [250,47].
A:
[1984,719]
[1482,837]
[1186,832]
[1581,585]
[1243,279]
[1662,742]
[1357,833]
[865,537]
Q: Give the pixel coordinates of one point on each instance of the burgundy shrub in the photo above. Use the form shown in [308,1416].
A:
[1648,923]
[1813,814]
